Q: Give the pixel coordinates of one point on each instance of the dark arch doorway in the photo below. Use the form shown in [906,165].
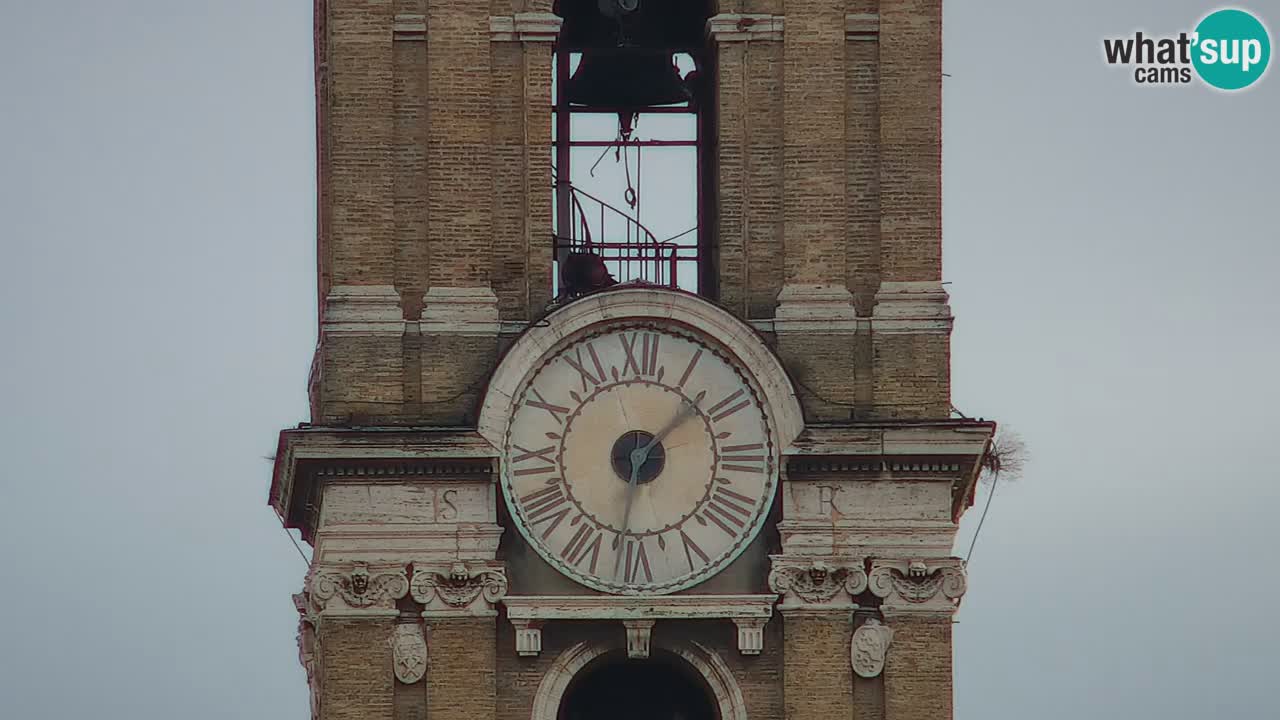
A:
[663,687]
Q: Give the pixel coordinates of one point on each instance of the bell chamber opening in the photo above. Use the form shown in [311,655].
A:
[633,107]
[662,687]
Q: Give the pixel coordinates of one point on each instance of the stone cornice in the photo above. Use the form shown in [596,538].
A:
[305,457]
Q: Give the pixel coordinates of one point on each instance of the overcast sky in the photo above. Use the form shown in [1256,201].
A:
[1112,251]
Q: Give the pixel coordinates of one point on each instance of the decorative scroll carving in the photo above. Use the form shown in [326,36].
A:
[359,588]
[829,582]
[409,652]
[460,589]
[917,585]
[870,644]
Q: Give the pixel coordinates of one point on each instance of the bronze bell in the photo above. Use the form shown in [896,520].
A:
[627,79]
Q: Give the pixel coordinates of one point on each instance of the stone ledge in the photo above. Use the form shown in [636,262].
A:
[363,310]
[737,27]
[467,311]
[410,27]
[912,308]
[862,26]
[818,309]
[525,27]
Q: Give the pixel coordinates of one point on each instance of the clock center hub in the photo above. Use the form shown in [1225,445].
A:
[629,449]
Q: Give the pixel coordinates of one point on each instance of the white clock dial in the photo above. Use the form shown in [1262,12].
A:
[639,459]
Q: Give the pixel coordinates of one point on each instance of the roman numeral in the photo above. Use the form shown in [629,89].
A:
[722,409]
[585,541]
[743,458]
[540,506]
[727,506]
[689,370]
[637,560]
[542,404]
[577,363]
[691,548]
[646,362]
[545,455]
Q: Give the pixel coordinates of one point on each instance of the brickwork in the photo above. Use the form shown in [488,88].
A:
[918,672]
[362,377]
[862,158]
[459,144]
[911,140]
[818,680]
[360,123]
[912,375]
[356,662]
[814,141]
[461,683]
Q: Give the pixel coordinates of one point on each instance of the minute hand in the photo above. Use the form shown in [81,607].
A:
[686,409]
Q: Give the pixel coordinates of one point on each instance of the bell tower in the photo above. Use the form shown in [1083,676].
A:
[632,390]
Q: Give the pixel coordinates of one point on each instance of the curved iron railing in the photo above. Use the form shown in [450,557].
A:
[629,249]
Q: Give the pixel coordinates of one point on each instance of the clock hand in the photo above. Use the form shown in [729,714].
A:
[638,456]
[686,409]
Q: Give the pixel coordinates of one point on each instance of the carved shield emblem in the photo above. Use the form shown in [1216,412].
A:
[870,645]
[409,653]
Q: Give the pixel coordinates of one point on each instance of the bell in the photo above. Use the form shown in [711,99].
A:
[627,80]
[584,272]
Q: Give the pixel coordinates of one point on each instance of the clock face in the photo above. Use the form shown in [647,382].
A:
[639,459]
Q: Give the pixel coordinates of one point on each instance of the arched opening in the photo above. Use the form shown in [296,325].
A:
[633,97]
[663,687]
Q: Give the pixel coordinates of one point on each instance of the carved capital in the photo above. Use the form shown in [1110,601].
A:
[918,586]
[356,589]
[870,645]
[409,652]
[460,589]
[817,584]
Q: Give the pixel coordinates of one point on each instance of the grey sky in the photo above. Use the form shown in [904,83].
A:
[1112,250]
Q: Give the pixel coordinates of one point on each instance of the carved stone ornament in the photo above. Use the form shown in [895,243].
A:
[359,588]
[308,649]
[827,582]
[460,589]
[918,585]
[409,652]
[870,645]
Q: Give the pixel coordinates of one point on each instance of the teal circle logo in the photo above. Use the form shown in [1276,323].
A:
[1232,49]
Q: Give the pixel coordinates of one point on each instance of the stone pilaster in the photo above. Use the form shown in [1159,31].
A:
[748,163]
[361,364]
[521,55]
